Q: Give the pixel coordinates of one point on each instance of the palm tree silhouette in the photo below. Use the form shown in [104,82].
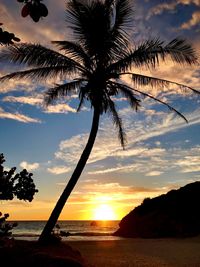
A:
[99,55]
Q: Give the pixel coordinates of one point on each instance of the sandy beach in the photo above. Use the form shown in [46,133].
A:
[141,252]
[115,253]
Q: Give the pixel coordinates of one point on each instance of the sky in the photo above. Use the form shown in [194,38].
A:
[162,151]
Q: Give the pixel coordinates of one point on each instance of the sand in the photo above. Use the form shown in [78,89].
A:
[141,252]
[116,253]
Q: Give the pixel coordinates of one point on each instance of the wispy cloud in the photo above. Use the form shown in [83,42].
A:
[160,8]
[107,145]
[16,85]
[123,195]
[37,100]
[60,108]
[29,166]
[154,173]
[30,100]
[17,116]
[195,20]
[124,168]
[190,161]
[59,170]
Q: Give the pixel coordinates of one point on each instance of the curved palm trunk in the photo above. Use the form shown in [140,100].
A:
[73,180]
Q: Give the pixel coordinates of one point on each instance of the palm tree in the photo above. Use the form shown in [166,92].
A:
[93,64]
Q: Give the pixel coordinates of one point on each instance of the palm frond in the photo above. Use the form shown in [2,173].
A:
[118,42]
[109,4]
[181,52]
[91,25]
[171,108]
[75,51]
[124,15]
[35,55]
[118,122]
[151,52]
[40,73]
[61,90]
[83,18]
[129,95]
[123,19]
[82,95]
[143,80]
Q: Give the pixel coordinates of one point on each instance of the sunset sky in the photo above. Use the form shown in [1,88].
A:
[162,152]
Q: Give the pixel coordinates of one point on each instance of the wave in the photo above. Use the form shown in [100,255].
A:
[25,235]
[69,234]
[90,234]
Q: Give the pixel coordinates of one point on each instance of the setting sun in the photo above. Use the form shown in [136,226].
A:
[104,212]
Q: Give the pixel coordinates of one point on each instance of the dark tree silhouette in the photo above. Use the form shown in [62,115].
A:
[92,66]
[7,38]
[5,228]
[20,185]
[174,214]
[33,8]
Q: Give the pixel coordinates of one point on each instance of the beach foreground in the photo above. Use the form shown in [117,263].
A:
[115,253]
[141,252]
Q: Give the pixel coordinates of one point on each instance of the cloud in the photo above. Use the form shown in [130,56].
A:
[141,156]
[190,161]
[37,100]
[123,168]
[29,166]
[107,146]
[119,195]
[16,85]
[195,20]
[59,108]
[59,170]
[17,117]
[24,100]
[160,8]
[154,173]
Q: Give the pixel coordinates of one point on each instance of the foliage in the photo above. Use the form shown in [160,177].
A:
[33,8]
[7,38]
[20,185]
[5,228]
[175,214]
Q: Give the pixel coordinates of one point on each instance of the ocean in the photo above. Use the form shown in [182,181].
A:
[79,230]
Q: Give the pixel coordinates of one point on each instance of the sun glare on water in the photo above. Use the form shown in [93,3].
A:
[104,212]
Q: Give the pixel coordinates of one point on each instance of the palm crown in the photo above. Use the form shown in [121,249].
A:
[98,57]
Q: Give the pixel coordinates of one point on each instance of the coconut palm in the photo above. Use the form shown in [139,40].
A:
[92,66]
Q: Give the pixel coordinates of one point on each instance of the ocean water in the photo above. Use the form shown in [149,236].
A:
[79,230]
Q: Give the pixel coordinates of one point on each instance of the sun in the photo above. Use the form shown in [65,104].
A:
[104,212]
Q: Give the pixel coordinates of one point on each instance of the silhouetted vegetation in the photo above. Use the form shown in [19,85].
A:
[175,214]
[92,65]
[7,38]
[33,8]
[26,253]
[20,185]
[5,227]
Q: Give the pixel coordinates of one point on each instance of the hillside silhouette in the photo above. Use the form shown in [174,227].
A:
[175,214]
